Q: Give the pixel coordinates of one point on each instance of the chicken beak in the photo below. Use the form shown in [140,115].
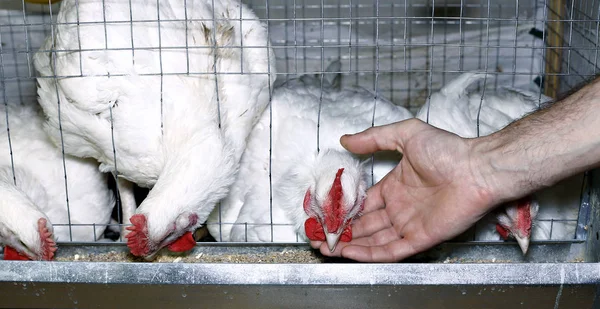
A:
[332,240]
[523,243]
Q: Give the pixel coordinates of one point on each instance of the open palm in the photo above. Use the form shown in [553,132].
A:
[434,194]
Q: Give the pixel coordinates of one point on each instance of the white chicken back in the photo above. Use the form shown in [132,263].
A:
[39,191]
[245,214]
[172,131]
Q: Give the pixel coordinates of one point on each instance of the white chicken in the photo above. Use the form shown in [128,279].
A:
[315,194]
[454,110]
[34,196]
[123,93]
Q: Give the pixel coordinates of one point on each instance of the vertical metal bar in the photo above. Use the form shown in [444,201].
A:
[392,51]
[407,42]
[217,96]
[242,41]
[597,19]
[487,52]
[270,121]
[339,29]
[295,41]
[533,39]
[110,109]
[187,44]
[357,44]
[375,29]
[4,97]
[375,83]
[570,37]
[162,118]
[131,34]
[79,38]
[461,51]
[431,49]
[583,215]
[514,68]
[27,42]
[322,74]
[544,62]
[304,44]
[62,142]
[444,57]
[286,38]
[498,44]
[480,47]
[349,36]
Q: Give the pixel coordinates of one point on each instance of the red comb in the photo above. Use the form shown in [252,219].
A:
[314,230]
[137,239]
[11,254]
[524,215]
[184,243]
[48,243]
[332,208]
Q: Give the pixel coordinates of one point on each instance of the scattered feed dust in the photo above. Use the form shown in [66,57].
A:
[287,257]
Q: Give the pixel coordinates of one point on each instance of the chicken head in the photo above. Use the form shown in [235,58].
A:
[330,220]
[179,237]
[41,246]
[516,221]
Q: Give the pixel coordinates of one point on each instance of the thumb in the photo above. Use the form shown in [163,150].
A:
[387,137]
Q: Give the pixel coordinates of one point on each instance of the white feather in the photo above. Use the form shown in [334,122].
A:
[296,165]
[39,191]
[165,128]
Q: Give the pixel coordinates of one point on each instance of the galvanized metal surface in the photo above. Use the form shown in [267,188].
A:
[301,274]
[46,295]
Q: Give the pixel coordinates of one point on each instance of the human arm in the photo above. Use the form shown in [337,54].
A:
[444,183]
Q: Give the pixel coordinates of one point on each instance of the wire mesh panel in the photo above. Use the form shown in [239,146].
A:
[400,50]
[410,47]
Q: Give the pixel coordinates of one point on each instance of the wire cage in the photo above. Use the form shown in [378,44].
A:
[403,51]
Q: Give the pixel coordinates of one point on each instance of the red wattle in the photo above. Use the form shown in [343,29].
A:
[346,234]
[314,230]
[11,254]
[504,233]
[184,243]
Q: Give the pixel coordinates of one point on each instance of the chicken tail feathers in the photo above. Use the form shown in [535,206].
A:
[458,86]
[530,95]
[333,75]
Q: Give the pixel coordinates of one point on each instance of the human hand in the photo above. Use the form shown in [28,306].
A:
[436,192]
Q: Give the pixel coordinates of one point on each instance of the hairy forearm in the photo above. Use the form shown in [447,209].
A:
[542,148]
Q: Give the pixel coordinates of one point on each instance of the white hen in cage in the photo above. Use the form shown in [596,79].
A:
[46,197]
[471,115]
[315,193]
[114,91]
